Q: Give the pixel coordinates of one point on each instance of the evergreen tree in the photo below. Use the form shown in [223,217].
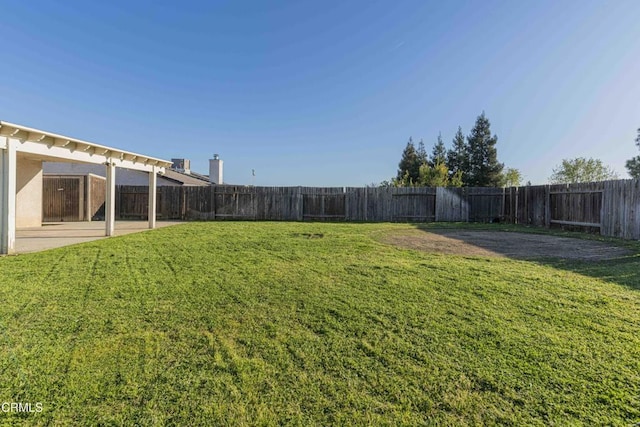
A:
[422,153]
[409,166]
[439,153]
[633,165]
[457,156]
[484,170]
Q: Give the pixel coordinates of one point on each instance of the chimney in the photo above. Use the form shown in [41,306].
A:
[215,170]
[181,165]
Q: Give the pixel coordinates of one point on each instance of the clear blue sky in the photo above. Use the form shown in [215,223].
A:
[327,93]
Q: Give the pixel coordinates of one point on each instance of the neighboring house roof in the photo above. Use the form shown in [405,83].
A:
[200,176]
[189,179]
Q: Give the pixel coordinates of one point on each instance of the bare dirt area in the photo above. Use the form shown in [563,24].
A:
[503,244]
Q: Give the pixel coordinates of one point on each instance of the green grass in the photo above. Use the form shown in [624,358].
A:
[229,323]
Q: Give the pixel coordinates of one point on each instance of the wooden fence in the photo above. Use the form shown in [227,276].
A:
[611,208]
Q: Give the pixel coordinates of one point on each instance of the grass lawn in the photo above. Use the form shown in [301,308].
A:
[244,323]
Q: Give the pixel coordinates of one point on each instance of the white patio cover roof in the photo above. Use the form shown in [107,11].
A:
[47,144]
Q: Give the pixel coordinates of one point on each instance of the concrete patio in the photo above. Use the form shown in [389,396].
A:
[56,234]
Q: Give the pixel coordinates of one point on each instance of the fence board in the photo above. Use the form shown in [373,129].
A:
[413,204]
[452,205]
[485,204]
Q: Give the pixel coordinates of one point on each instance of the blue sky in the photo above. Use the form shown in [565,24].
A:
[327,93]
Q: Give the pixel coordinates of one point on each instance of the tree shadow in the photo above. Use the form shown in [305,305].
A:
[612,260]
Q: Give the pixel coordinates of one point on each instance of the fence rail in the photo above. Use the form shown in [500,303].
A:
[611,207]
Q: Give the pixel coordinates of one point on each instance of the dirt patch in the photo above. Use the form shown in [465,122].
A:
[503,244]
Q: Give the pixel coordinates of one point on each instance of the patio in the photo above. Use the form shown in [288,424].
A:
[57,234]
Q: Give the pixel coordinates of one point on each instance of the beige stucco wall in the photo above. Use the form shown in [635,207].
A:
[28,193]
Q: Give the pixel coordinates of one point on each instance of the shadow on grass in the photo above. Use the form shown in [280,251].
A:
[614,260]
[624,270]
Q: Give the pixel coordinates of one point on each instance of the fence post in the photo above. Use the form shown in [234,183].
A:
[183,203]
[436,217]
[504,201]
[346,203]
[517,200]
[300,201]
[366,203]
[213,201]
[547,206]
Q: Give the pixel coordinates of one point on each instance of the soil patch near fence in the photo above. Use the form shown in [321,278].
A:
[503,244]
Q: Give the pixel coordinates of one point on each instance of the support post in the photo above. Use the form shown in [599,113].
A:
[153,181]
[8,197]
[110,199]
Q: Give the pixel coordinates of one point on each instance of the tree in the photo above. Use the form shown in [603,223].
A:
[457,156]
[439,152]
[484,170]
[633,165]
[512,178]
[423,158]
[438,176]
[581,170]
[383,184]
[409,166]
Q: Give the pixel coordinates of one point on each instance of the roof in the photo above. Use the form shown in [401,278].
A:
[200,176]
[184,178]
[56,141]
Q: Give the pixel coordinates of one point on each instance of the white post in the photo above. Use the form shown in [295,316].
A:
[153,180]
[8,197]
[110,200]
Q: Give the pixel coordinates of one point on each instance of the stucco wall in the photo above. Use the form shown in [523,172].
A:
[123,176]
[28,193]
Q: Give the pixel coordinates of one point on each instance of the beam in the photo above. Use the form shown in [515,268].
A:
[8,197]
[578,223]
[110,200]
[153,181]
[25,134]
[91,155]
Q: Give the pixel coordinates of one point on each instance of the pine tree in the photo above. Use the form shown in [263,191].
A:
[409,166]
[457,156]
[422,153]
[484,169]
[439,152]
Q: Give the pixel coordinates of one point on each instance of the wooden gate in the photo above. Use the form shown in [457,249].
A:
[63,199]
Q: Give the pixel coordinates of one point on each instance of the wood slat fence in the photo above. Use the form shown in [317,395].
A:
[611,208]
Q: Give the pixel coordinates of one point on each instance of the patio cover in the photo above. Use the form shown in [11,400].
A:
[21,144]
